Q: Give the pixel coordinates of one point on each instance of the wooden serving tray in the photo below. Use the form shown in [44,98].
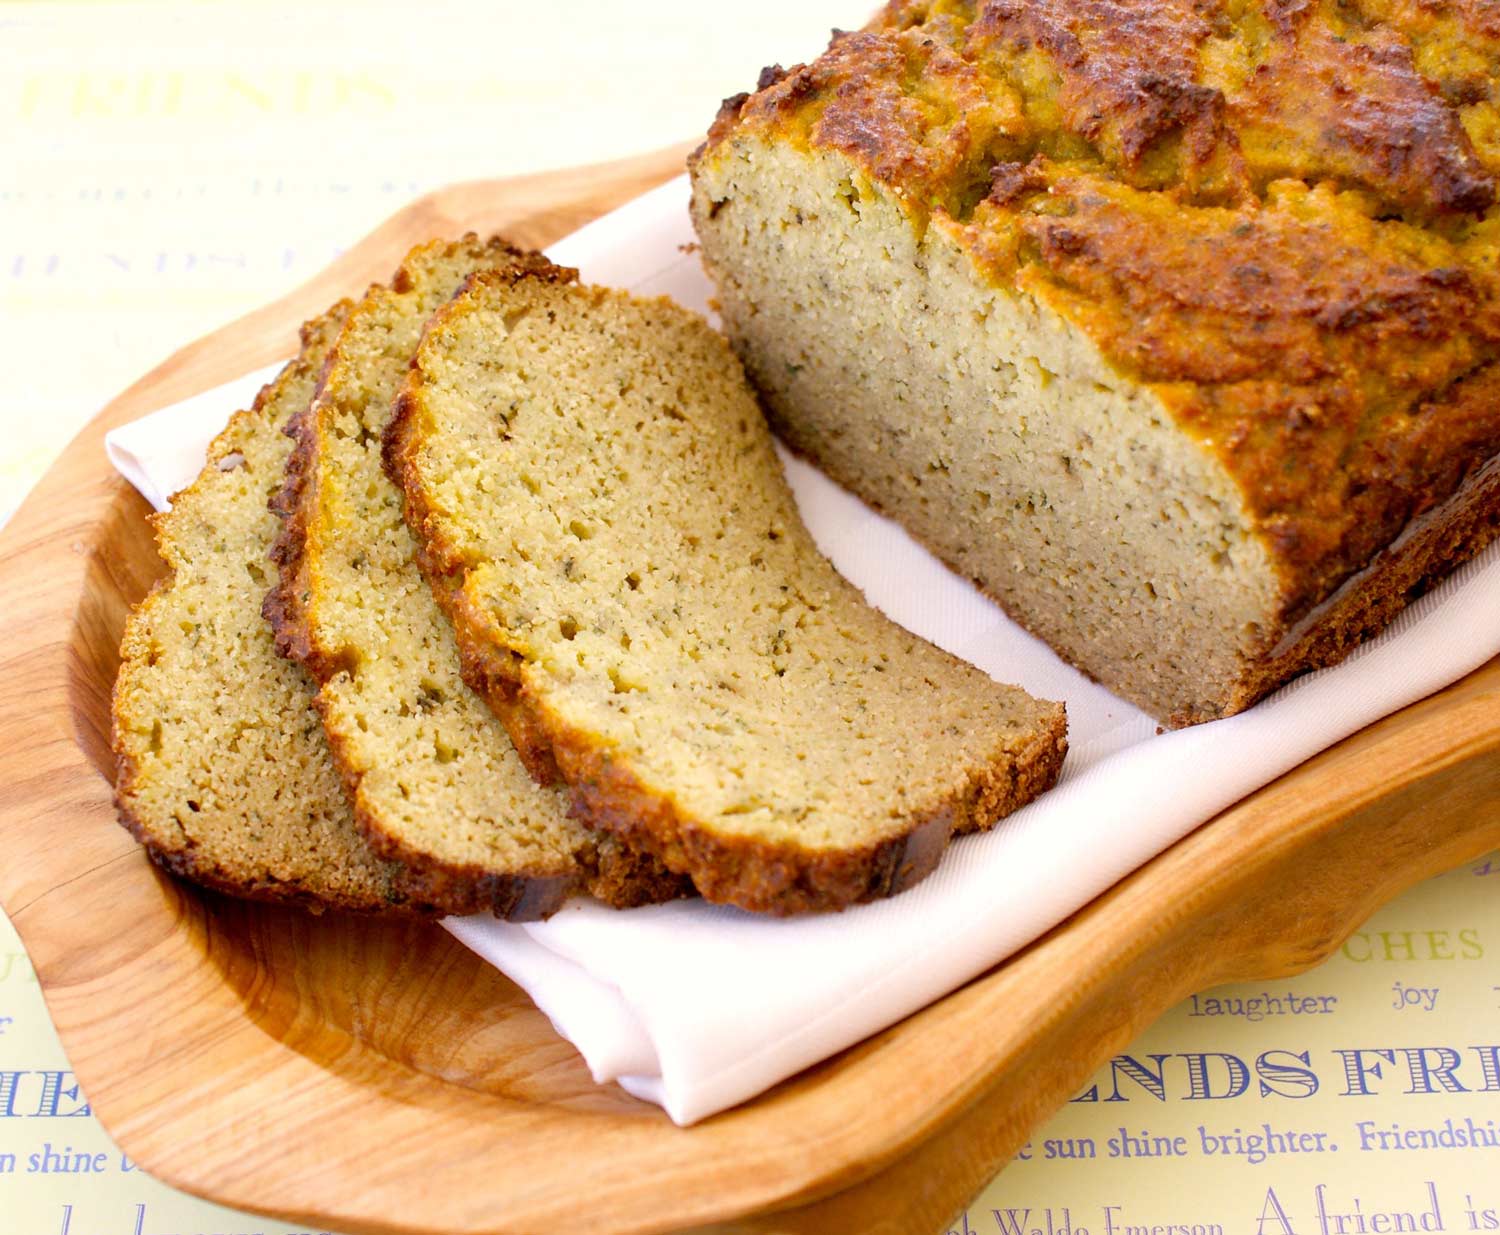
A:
[372,1077]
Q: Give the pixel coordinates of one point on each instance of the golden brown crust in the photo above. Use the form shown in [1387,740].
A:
[285,604]
[1276,215]
[1324,106]
[1121,76]
[1456,45]
[934,145]
[1436,544]
[775,878]
[1213,100]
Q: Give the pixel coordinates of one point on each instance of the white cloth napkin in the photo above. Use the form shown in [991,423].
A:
[698,1007]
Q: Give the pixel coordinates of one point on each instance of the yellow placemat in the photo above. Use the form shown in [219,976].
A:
[166,167]
[1360,1098]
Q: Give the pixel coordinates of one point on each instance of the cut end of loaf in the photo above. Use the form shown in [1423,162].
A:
[987,426]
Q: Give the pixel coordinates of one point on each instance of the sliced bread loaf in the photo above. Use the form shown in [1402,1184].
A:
[433,779]
[223,770]
[603,513]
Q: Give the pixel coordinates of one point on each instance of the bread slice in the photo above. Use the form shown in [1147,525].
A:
[223,770]
[433,779]
[602,509]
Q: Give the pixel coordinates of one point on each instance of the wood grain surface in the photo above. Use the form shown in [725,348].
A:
[368,1077]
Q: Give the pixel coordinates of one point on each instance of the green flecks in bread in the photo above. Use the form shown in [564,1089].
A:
[432,776]
[223,770]
[601,509]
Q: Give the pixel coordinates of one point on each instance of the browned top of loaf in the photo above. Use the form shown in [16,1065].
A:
[1280,215]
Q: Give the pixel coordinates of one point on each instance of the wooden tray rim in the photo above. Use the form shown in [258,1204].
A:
[48,550]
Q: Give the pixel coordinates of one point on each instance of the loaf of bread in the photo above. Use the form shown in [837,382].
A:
[599,505]
[433,778]
[223,772]
[1172,324]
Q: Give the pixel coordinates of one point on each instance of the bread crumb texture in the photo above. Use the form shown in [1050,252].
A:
[599,501]
[224,773]
[1160,318]
[434,780]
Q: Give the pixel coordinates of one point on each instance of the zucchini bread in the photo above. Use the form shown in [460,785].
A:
[223,771]
[432,777]
[1172,323]
[599,507]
